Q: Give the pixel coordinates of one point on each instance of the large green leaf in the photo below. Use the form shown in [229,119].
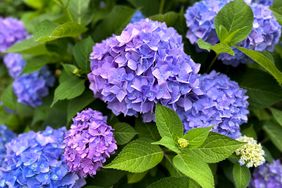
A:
[216,148]
[114,22]
[69,89]
[77,104]
[274,131]
[262,89]
[48,31]
[35,63]
[147,130]
[195,169]
[79,11]
[8,98]
[170,182]
[265,61]
[29,46]
[123,133]
[148,7]
[137,156]
[277,114]
[197,136]
[81,53]
[168,122]
[234,22]
[170,18]
[241,176]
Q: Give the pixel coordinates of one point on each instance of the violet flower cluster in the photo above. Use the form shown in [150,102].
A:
[269,175]
[6,136]
[11,31]
[89,142]
[31,88]
[14,63]
[263,2]
[264,36]
[143,66]
[36,160]
[137,16]
[224,106]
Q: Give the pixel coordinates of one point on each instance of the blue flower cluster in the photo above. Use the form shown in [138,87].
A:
[14,63]
[31,88]
[269,175]
[137,16]
[264,36]
[11,31]
[144,65]
[6,136]
[263,2]
[36,160]
[224,106]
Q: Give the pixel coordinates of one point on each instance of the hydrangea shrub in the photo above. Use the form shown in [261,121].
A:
[140,94]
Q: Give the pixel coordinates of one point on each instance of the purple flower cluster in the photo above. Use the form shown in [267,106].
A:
[89,142]
[14,63]
[137,16]
[5,136]
[11,31]
[36,160]
[31,88]
[268,175]
[264,36]
[200,20]
[224,106]
[143,66]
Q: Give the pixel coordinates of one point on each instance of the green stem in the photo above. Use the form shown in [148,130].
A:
[212,63]
[161,6]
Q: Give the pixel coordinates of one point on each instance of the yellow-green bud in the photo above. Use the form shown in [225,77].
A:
[183,143]
[76,71]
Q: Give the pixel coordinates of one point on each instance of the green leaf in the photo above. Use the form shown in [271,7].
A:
[29,46]
[81,52]
[123,133]
[170,182]
[241,176]
[135,177]
[197,136]
[69,89]
[216,148]
[264,61]
[204,45]
[78,103]
[8,98]
[277,114]
[274,131]
[79,11]
[170,18]
[148,7]
[147,130]
[168,122]
[48,31]
[113,23]
[37,4]
[195,169]
[137,156]
[222,48]
[236,19]
[168,143]
[35,63]
[262,89]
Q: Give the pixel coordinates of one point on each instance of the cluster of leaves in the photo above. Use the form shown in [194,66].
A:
[62,35]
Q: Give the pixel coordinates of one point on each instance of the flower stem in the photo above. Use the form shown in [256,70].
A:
[212,63]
